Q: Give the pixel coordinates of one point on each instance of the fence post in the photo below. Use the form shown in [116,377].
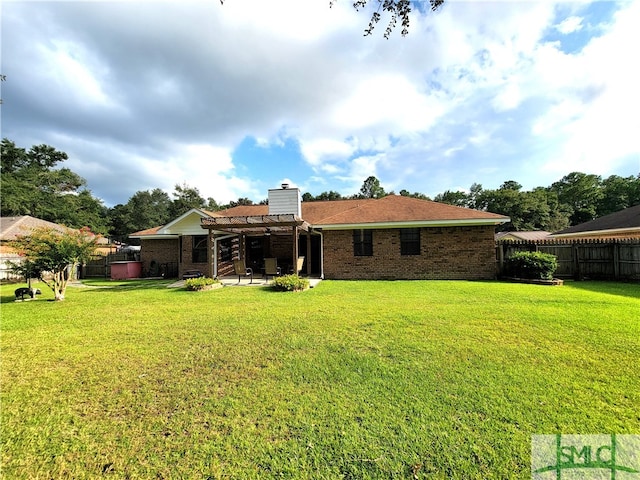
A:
[576,261]
[616,260]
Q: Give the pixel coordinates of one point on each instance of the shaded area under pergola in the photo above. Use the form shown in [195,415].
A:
[257,225]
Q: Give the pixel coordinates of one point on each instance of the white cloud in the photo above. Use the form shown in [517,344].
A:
[509,97]
[472,92]
[325,150]
[594,128]
[361,168]
[570,25]
[389,100]
[208,168]
[288,19]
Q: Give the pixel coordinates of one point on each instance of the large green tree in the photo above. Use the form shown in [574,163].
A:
[185,198]
[145,209]
[457,198]
[33,183]
[407,193]
[529,210]
[330,195]
[618,193]
[371,188]
[53,256]
[241,201]
[581,193]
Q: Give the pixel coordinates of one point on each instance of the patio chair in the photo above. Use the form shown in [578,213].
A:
[299,265]
[242,270]
[271,268]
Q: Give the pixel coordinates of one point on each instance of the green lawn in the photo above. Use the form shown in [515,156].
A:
[348,380]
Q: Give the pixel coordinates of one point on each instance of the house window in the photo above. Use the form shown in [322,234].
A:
[409,241]
[199,251]
[226,250]
[362,243]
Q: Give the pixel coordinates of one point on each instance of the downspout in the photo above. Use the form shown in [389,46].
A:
[296,253]
[319,232]
[215,257]
[212,250]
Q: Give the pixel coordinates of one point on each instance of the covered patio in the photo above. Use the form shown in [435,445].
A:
[285,237]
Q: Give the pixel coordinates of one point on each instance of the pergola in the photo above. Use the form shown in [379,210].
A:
[255,225]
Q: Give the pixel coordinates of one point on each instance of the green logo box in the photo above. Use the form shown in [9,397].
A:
[585,457]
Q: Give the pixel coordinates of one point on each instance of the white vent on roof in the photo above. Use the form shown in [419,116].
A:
[285,200]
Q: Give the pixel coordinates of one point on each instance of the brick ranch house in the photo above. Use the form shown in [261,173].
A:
[394,237]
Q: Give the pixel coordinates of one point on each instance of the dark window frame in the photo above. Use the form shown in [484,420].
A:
[199,249]
[409,241]
[362,243]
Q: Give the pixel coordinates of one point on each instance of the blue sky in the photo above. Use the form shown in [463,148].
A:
[234,99]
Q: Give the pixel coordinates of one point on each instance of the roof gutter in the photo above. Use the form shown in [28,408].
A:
[155,236]
[597,233]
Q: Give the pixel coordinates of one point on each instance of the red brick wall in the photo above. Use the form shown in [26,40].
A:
[168,251]
[162,251]
[187,258]
[456,253]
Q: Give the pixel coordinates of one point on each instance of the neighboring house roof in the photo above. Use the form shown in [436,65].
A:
[392,210]
[6,251]
[524,236]
[624,222]
[13,227]
[148,231]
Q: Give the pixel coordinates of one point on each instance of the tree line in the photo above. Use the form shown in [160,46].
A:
[34,183]
[574,199]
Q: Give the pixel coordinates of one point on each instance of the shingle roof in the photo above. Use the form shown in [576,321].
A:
[389,209]
[529,235]
[627,219]
[392,209]
[397,208]
[12,227]
[148,231]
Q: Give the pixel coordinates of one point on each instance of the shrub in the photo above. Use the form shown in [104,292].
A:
[533,265]
[201,283]
[290,283]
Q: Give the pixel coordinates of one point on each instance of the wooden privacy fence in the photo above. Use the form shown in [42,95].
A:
[603,259]
[101,267]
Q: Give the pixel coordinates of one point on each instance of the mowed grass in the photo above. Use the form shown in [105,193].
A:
[349,380]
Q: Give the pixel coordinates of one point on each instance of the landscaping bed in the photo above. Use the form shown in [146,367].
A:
[536,281]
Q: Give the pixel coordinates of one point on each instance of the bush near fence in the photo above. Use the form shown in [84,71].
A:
[581,259]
